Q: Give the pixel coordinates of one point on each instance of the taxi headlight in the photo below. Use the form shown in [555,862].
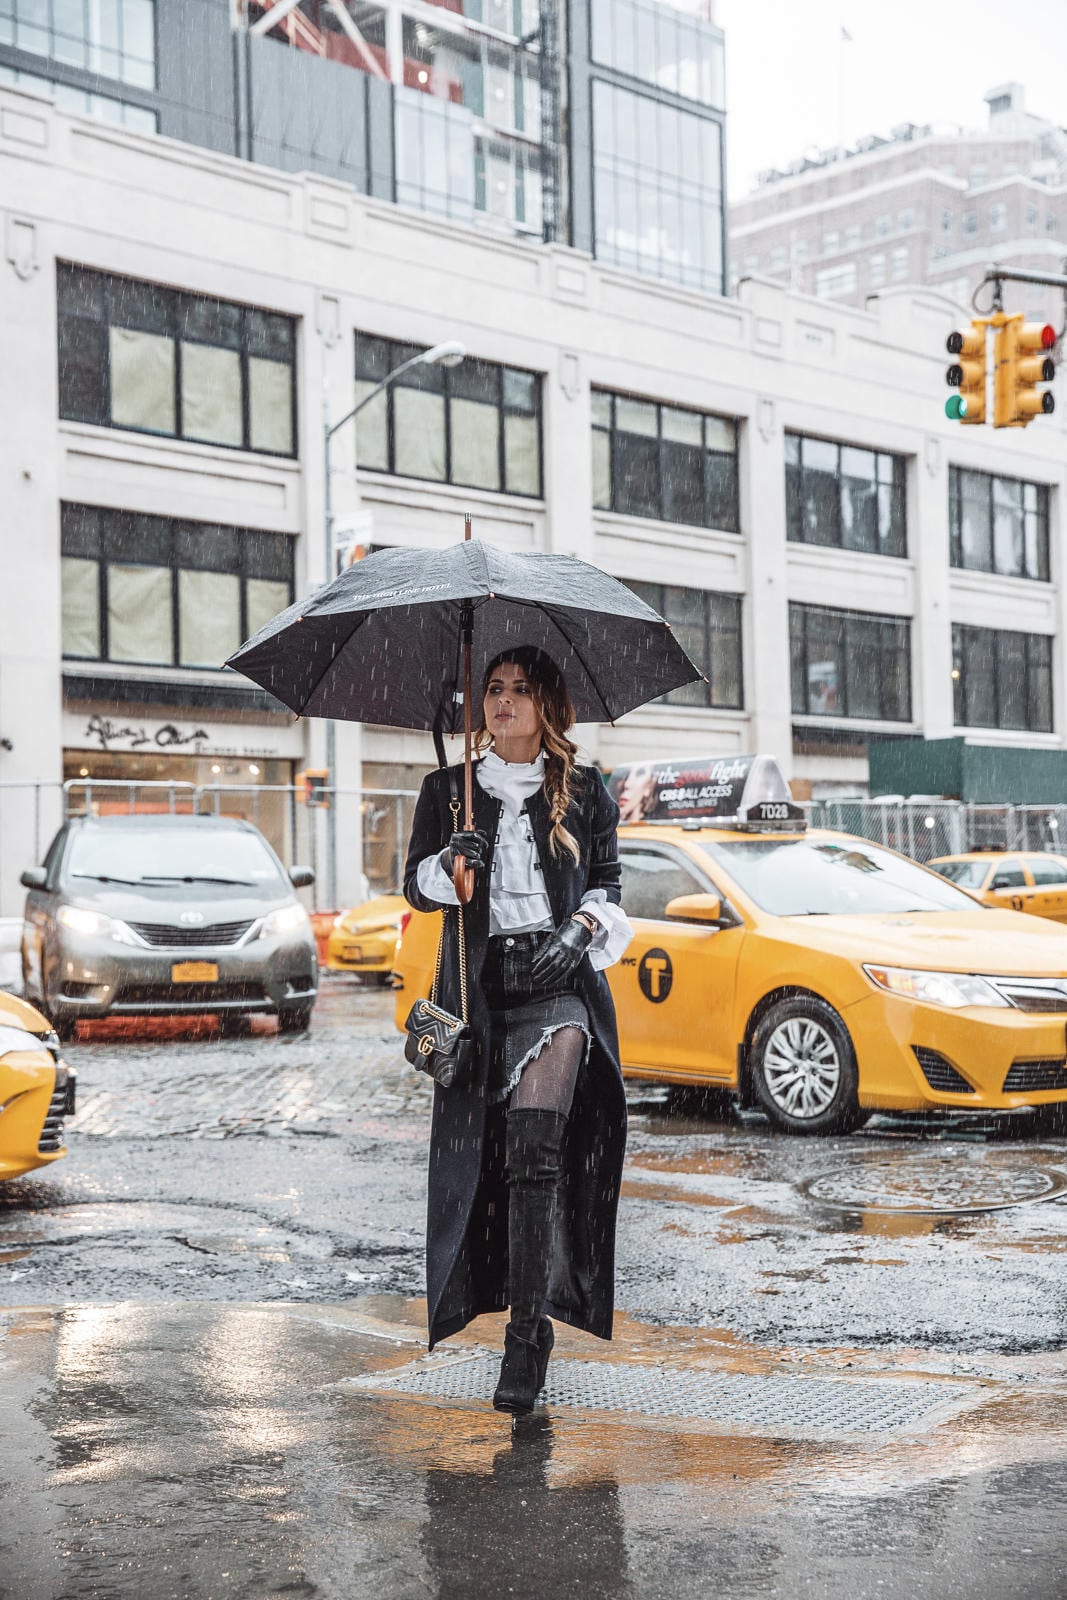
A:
[19,1039]
[286,919]
[954,989]
[95,923]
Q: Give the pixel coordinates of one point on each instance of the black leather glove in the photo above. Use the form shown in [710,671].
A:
[473,847]
[561,955]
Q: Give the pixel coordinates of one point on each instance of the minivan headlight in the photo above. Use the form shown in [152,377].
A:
[94,923]
[286,919]
[954,989]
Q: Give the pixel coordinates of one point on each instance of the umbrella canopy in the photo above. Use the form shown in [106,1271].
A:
[383,642]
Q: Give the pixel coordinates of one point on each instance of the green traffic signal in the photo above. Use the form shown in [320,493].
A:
[955,408]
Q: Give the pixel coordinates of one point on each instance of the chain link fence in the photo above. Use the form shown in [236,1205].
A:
[927,829]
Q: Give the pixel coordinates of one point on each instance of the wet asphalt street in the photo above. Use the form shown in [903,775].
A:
[838,1369]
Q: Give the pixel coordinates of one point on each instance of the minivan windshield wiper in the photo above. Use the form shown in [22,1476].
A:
[195,877]
[107,877]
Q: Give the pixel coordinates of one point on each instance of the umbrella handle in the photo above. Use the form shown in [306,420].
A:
[463,881]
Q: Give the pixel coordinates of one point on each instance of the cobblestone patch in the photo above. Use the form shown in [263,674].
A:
[158,1083]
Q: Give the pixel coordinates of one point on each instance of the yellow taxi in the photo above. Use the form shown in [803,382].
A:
[810,972]
[36,1090]
[1022,882]
[363,940]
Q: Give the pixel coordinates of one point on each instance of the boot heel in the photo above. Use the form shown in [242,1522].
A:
[546,1338]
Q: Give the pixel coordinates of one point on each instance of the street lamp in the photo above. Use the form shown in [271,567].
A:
[448,354]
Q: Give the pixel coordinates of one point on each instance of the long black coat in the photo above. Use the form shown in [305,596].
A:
[466,1229]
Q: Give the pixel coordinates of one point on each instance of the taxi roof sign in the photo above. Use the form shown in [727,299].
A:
[744,791]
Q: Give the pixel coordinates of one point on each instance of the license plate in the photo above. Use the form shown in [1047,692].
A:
[352,952]
[194,972]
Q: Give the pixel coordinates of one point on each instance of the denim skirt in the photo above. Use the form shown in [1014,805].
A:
[522,1016]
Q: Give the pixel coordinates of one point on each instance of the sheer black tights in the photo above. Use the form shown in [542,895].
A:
[548,1081]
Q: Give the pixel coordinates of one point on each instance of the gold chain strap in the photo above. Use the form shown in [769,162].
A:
[435,987]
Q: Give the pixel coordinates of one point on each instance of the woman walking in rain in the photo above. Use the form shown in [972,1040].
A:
[526,1154]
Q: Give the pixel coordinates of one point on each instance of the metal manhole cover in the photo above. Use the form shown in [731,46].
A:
[776,1404]
[943,1183]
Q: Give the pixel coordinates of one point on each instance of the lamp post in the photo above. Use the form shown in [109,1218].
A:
[448,354]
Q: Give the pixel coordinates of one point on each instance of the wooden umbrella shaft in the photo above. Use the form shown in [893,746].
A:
[462,874]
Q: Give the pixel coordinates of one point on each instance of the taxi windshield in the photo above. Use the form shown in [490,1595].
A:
[968,874]
[815,877]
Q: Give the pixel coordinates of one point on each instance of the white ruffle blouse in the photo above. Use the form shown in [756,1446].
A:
[518,902]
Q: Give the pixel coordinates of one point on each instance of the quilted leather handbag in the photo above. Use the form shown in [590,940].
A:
[437,1042]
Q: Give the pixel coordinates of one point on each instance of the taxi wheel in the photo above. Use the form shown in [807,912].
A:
[804,1068]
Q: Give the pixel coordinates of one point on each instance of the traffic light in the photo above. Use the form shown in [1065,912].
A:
[311,786]
[967,374]
[1022,360]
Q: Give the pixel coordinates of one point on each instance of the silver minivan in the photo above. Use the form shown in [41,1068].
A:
[147,915]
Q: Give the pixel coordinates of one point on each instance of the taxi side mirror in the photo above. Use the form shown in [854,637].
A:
[695,908]
[301,877]
[33,878]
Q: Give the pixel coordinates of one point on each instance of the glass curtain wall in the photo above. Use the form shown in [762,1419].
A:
[468,88]
[657,188]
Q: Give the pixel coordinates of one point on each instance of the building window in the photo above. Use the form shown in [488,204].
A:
[657,183]
[844,496]
[799,249]
[900,263]
[998,524]
[876,267]
[850,664]
[156,591]
[883,225]
[906,220]
[135,355]
[970,222]
[979,176]
[998,218]
[115,38]
[946,222]
[83,104]
[708,628]
[832,282]
[831,243]
[852,237]
[1002,679]
[660,461]
[478,424]
[779,259]
[662,46]
[1051,224]
[1031,219]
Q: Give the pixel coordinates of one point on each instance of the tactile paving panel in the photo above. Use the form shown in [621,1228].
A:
[775,1404]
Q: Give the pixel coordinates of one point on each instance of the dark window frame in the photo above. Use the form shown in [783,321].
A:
[170,528]
[800,615]
[794,495]
[399,351]
[177,303]
[1037,645]
[956,498]
[612,431]
[654,595]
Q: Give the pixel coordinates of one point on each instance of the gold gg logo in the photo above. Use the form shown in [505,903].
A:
[426,1045]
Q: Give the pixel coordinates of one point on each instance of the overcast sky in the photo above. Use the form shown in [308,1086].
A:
[792,83]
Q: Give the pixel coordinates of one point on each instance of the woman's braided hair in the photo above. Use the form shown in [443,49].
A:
[557,718]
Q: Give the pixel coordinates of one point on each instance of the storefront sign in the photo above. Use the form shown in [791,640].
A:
[111,732]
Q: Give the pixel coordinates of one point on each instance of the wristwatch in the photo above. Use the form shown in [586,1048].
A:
[586,920]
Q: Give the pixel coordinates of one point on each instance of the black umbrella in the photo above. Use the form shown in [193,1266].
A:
[397,638]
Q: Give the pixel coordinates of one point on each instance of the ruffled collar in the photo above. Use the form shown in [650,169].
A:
[510,781]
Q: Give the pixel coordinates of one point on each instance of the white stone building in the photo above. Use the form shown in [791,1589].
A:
[778,469]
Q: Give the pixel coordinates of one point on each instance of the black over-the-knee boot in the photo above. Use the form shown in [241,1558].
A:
[534,1150]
